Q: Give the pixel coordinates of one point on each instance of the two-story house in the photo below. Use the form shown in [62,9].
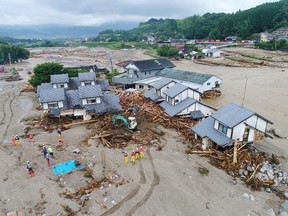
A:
[182,100]
[228,124]
[84,96]
[139,70]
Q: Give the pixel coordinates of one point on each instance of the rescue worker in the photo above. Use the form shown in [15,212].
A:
[59,132]
[13,140]
[132,156]
[44,150]
[60,140]
[126,160]
[31,138]
[137,154]
[17,140]
[48,159]
[50,151]
[141,152]
[30,169]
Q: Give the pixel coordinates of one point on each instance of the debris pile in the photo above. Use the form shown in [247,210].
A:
[27,87]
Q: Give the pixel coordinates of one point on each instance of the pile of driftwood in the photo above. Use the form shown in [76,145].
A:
[234,160]
[148,115]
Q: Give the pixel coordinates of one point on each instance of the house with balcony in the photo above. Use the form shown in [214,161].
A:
[84,96]
[230,123]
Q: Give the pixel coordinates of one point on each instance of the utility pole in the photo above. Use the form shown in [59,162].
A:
[244,91]
[110,60]
[9,56]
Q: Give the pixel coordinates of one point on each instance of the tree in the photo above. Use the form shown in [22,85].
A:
[43,71]
[167,51]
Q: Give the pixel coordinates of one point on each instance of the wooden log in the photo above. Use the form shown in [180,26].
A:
[235,152]
[101,204]
[253,173]
[100,136]
[80,123]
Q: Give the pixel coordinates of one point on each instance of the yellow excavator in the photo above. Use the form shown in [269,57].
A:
[132,125]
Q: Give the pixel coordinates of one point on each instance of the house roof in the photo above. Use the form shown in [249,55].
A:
[74,83]
[90,91]
[175,90]
[233,114]
[43,86]
[162,82]
[123,63]
[59,78]
[188,76]
[214,50]
[52,95]
[151,95]
[197,114]
[103,83]
[87,76]
[173,110]
[152,64]
[205,128]
[73,98]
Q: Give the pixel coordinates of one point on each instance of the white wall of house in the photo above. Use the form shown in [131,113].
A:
[85,101]
[238,131]
[183,95]
[164,88]
[257,122]
[210,84]
[79,112]
[67,112]
[216,124]
[139,86]
[60,85]
[207,111]
[205,143]
[85,83]
[46,105]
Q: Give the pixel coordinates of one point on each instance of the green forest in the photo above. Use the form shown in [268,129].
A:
[11,53]
[243,24]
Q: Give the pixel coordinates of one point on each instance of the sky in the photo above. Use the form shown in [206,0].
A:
[98,12]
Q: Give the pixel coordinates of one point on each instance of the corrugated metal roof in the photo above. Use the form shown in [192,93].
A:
[175,90]
[184,75]
[87,76]
[232,114]
[59,78]
[174,110]
[52,95]
[162,82]
[90,91]
[197,114]
[151,95]
[205,128]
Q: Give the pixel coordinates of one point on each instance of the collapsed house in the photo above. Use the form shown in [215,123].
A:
[178,99]
[84,96]
[228,124]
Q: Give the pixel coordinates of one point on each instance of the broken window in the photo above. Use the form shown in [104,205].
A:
[93,100]
[53,105]
[87,83]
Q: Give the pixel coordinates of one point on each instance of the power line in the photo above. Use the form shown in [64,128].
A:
[244,92]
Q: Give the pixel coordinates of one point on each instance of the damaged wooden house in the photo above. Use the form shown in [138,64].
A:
[178,99]
[228,124]
[85,96]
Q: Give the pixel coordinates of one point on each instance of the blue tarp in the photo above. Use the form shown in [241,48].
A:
[65,167]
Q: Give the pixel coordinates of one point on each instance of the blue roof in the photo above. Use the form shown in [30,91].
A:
[161,83]
[205,128]
[73,98]
[59,78]
[90,91]
[175,90]
[52,95]
[151,95]
[197,114]
[43,86]
[173,110]
[232,114]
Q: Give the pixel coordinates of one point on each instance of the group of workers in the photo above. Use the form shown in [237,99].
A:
[47,152]
[135,155]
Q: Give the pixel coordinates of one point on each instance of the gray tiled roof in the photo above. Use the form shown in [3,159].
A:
[105,86]
[43,86]
[59,78]
[151,95]
[87,76]
[52,95]
[74,83]
[153,64]
[174,110]
[232,114]
[73,98]
[175,90]
[161,83]
[184,75]
[90,91]
[205,128]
